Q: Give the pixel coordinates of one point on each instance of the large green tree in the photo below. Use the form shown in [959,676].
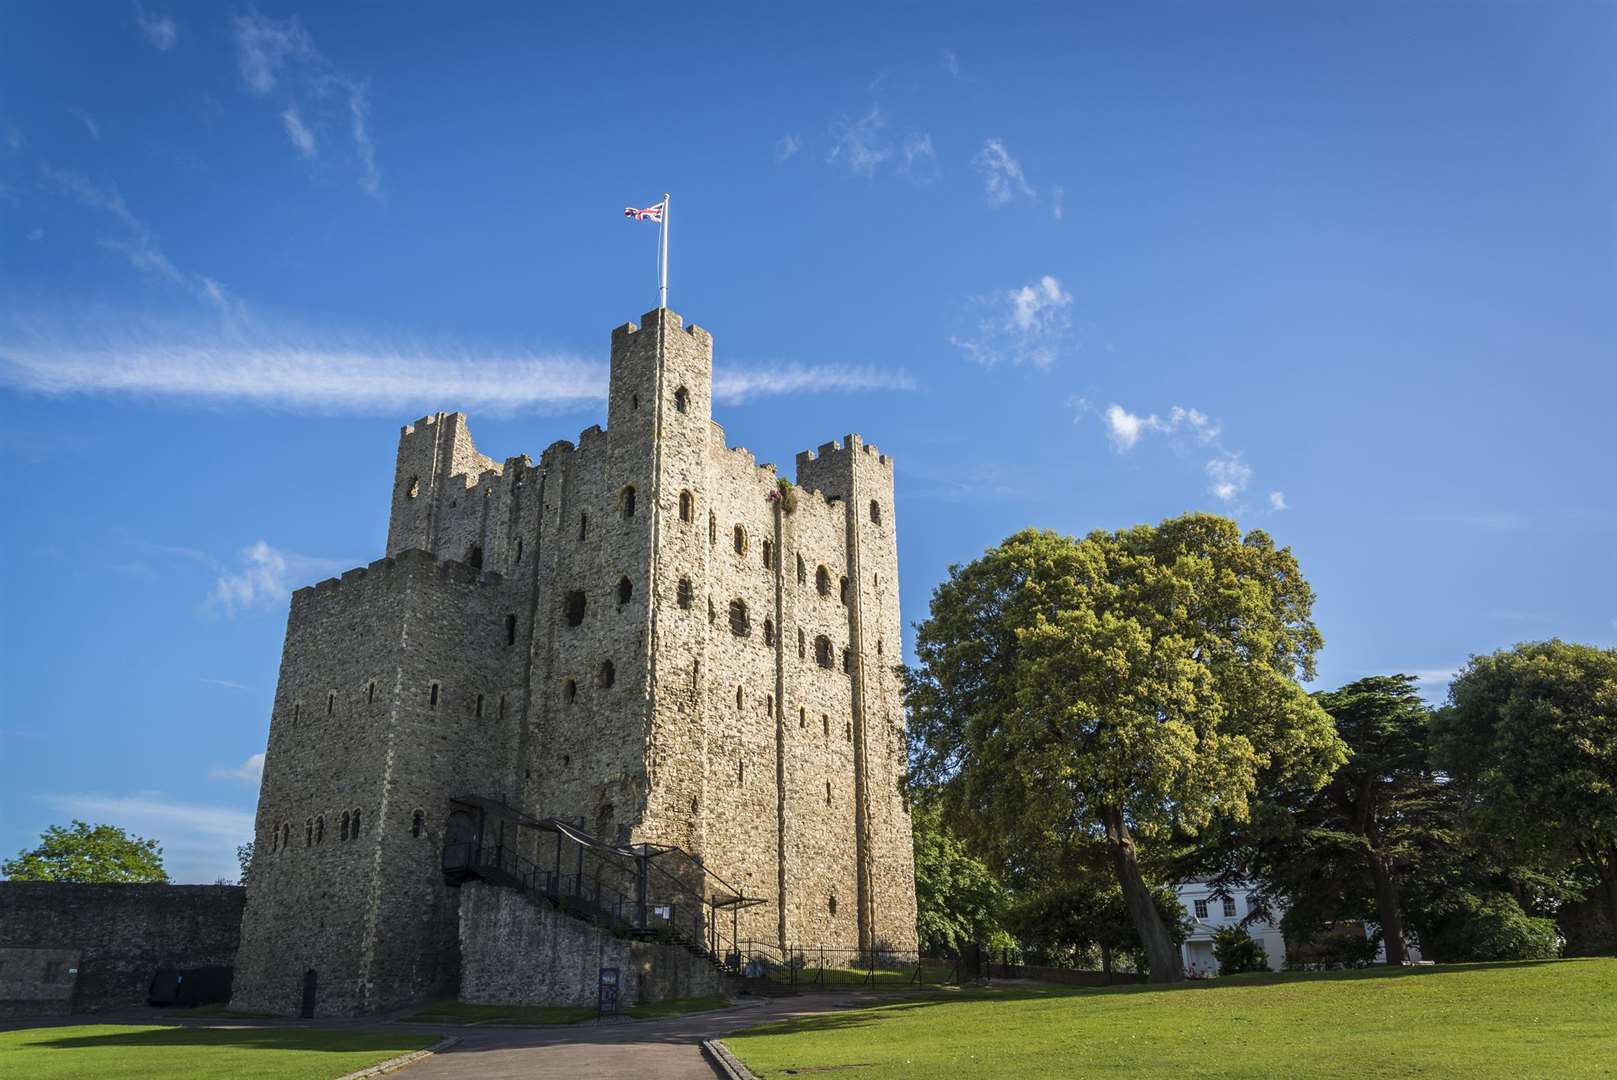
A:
[1530,738]
[1121,688]
[958,900]
[89,853]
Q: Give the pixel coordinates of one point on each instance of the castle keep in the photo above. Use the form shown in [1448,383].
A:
[645,650]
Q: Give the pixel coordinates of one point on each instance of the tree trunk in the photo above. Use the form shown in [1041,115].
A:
[1388,910]
[1106,962]
[1607,869]
[1159,950]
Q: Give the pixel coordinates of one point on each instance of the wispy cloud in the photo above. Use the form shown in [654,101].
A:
[917,159]
[786,147]
[301,136]
[1024,325]
[226,683]
[1058,202]
[1228,476]
[250,771]
[277,57]
[138,242]
[87,120]
[951,62]
[266,576]
[860,144]
[1003,180]
[198,839]
[370,378]
[159,30]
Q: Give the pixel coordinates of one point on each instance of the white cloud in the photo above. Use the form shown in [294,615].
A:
[1024,325]
[277,56]
[786,147]
[371,378]
[266,578]
[250,771]
[301,136]
[1002,174]
[1125,428]
[139,244]
[160,30]
[87,120]
[226,683]
[917,158]
[198,839]
[1227,477]
[859,144]
[1277,500]
[1057,195]
[951,63]
[36,234]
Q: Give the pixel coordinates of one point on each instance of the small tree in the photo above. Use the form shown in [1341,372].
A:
[244,856]
[1236,951]
[91,854]
[957,899]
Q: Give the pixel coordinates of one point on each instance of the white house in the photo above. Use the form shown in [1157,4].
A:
[1209,912]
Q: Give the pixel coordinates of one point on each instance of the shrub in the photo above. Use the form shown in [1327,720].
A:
[1491,926]
[1341,946]
[1236,952]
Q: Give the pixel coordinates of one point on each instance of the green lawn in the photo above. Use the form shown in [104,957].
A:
[1552,1019]
[111,1052]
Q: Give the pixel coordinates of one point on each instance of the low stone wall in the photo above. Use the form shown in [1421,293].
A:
[515,952]
[85,948]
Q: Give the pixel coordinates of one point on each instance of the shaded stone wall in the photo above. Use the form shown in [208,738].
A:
[121,935]
[515,953]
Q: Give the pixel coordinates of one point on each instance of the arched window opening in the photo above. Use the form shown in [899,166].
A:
[825,724]
[418,824]
[510,629]
[634,402]
[875,512]
[625,590]
[320,829]
[740,538]
[684,593]
[519,550]
[331,702]
[822,581]
[583,525]
[769,555]
[802,648]
[828,803]
[802,716]
[682,400]
[832,903]
[741,772]
[607,676]
[769,632]
[477,711]
[740,698]
[474,557]
[842,590]
[802,571]
[569,691]
[432,696]
[822,651]
[370,693]
[412,487]
[573,607]
[286,836]
[740,622]
[687,506]
[769,706]
[626,501]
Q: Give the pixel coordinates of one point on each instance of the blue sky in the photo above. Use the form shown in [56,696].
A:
[1347,272]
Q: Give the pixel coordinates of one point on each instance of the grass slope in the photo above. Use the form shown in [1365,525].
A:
[112,1052]
[1481,1021]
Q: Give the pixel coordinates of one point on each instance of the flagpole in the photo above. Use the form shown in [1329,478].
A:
[662,280]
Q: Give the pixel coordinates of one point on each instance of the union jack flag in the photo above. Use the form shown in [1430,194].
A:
[650,213]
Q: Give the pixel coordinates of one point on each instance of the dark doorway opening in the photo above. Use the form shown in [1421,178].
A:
[311,980]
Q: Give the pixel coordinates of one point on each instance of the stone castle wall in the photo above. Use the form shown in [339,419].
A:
[87,948]
[640,615]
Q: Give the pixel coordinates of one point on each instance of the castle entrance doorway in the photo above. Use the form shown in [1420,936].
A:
[311,981]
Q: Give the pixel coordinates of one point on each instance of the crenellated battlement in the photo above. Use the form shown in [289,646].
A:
[834,451]
[413,561]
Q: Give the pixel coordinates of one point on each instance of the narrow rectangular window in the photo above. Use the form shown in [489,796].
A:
[1201,909]
[1229,907]
[510,629]
[433,702]
[370,693]
[502,706]
[480,706]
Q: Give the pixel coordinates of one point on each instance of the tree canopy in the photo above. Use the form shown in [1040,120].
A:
[1128,685]
[958,900]
[89,853]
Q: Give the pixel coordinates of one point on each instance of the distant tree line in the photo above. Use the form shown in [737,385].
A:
[1094,719]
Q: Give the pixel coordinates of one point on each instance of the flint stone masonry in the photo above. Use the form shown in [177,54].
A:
[516,953]
[118,936]
[608,636]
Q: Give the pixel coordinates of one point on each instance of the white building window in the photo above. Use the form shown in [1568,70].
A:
[1201,909]
[1229,907]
